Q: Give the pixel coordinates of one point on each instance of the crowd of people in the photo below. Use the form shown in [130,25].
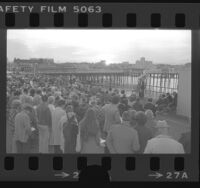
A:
[55,114]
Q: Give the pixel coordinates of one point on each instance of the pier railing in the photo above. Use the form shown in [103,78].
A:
[156,83]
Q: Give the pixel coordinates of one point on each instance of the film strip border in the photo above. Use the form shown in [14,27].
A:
[107,20]
[59,167]
[90,15]
[120,167]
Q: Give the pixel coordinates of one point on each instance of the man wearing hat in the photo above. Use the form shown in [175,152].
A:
[163,143]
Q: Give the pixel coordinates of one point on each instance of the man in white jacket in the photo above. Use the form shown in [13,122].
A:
[163,143]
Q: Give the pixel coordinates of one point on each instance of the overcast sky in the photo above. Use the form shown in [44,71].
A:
[114,46]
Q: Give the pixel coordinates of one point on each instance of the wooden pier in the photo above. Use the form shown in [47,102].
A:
[156,83]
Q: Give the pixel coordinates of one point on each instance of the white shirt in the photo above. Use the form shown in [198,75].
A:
[163,144]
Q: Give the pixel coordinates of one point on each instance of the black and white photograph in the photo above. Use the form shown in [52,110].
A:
[113,91]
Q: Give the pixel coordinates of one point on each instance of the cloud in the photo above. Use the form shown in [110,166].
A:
[18,49]
[93,45]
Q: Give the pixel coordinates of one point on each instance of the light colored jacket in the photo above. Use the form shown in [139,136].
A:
[163,144]
[22,127]
[56,127]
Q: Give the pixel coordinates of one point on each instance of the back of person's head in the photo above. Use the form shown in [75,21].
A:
[38,92]
[132,98]
[141,118]
[115,99]
[84,99]
[132,114]
[51,99]
[74,98]
[99,101]
[44,98]
[68,108]
[137,99]
[17,93]
[27,107]
[124,101]
[149,114]
[25,91]
[16,104]
[122,92]
[44,89]
[57,98]
[37,100]
[162,127]
[92,101]
[28,100]
[150,100]
[32,92]
[61,103]
[126,116]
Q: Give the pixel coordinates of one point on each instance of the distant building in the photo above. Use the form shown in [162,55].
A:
[143,64]
[45,61]
[187,65]
[28,65]
[56,68]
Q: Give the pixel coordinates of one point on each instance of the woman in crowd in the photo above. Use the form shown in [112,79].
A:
[90,134]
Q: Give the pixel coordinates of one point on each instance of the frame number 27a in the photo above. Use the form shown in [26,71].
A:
[170,175]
